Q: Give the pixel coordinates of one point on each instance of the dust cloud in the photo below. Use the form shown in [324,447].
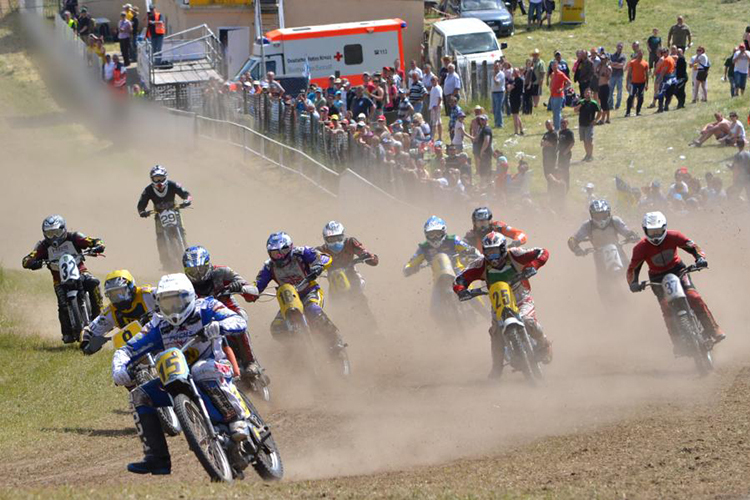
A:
[417,395]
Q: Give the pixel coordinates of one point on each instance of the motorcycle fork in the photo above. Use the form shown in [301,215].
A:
[202,405]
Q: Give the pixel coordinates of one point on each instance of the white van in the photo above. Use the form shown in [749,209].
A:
[463,38]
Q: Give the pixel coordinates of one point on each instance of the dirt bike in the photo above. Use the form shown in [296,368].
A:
[518,347]
[174,236]
[293,312]
[692,335]
[145,371]
[208,437]
[71,281]
[451,315]
[342,290]
[610,270]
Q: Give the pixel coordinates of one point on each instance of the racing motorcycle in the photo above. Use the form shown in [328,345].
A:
[450,313]
[208,437]
[341,291]
[692,336]
[519,349]
[174,237]
[78,300]
[293,313]
[610,270]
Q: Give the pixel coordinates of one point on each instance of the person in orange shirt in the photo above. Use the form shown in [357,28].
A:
[638,75]
[558,83]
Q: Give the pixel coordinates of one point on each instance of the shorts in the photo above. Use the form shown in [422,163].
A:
[586,133]
[740,80]
[604,97]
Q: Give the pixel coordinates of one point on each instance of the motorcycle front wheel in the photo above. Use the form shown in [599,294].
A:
[267,462]
[76,318]
[523,352]
[209,451]
[169,423]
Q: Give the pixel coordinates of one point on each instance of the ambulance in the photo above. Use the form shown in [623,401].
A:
[345,50]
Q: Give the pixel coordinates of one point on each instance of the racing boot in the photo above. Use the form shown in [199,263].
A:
[156,454]
[543,347]
[497,348]
[253,372]
[324,325]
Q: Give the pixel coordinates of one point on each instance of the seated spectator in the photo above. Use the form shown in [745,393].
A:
[420,133]
[718,128]
[653,197]
[736,132]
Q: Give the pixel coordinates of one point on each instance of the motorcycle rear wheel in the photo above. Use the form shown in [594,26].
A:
[267,462]
[209,451]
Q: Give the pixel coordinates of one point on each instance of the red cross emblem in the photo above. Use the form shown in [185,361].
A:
[338,56]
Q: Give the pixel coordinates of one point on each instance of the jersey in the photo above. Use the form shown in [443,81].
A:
[660,258]
[143,305]
[352,249]
[454,247]
[294,270]
[162,201]
[73,244]
[518,260]
[475,238]
[158,335]
[221,278]
[601,237]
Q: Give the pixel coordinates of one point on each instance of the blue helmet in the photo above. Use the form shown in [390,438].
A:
[197,264]
[435,231]
[279,246]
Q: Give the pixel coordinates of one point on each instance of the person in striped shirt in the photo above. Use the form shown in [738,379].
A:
[417,92]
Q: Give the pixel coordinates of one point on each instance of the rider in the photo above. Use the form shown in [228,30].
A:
[439,241]
[291,265]
[659,250]
[162,192]
[180,317]
[58,241]
[481,220]
[502,264]
[127,303]
[221,282]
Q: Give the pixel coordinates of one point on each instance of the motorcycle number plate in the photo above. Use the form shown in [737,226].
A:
[171,366]
[121,338]
[339,281]
[611,257]
[672,287]
[168,218]
[68,268]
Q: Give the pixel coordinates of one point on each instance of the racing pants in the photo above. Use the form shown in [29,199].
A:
[240,342]
[694,299]
[91,285]
[161,239]
[312,302]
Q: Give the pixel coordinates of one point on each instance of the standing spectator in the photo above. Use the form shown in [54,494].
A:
[498,93]
[663,71]
[455,110]
[565,143]
[632,4]
[539,72]
[746,38]
[583,71]
[444,70]
[604,73]
[515,90]
[377,95]
[700,65]
[654,46]
[85,24]
[514,4]
[638,76]
[136,30]
[549,8]
[529,88]
[452,85]
[535,13]
[119,75]
[680,35]
[549,152]
[155,32]
[70,21]
[678,89]
[668,70]
[413,68]
[459,132]
[436,100]
[124,32]
[562,65]
[405,108]
[741,61]
[558,83]
[417,92]
[427,81]
[587,110]
[617,62]
[362,104]
[729,73]
[108,69]
[72,7]
[483,149]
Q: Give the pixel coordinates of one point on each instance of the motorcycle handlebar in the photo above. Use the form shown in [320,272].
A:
[689,269]
[176,208]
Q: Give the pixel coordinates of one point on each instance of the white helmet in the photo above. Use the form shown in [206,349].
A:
[655,227]
[333,234]
[175,297]
[600,213]
[54,229]
[435,231]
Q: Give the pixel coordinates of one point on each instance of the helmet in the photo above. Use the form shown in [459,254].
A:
[196,262]
[600,213]
[175,297]
[333,234]
[159,178]
[435,231]
[655,227]
[481,218]
[54,229]
[119,287]
[495,249]
[279,246]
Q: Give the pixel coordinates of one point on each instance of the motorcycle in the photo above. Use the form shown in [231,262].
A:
[519,349]
[207,436]
[692,335]
[174,236]
[145,371]
[341,290]
[450,313]
[78,300]
[610,270]
[293,312]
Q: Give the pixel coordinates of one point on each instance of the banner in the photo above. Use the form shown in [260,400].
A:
[573,12]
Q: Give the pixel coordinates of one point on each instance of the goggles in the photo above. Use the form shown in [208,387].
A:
[279,254]
[198,273]
[159,179]
[53,234]
[174,303]
[434,235]
[655,233]
[482,224]
[339,238]
[600,216]
[118,294]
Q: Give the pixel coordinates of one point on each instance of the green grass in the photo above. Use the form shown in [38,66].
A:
[635,148]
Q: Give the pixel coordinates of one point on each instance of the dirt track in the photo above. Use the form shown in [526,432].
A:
[617,417]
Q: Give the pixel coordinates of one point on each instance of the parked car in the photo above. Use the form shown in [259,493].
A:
[492,12]
[467,38]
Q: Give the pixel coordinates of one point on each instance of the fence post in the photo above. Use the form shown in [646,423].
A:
[244,144]
[484,91]
[473,80]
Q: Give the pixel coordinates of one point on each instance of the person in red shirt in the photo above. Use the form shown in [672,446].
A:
[558,82]
[482,224]
[499,263]
[638,75]
[659,250]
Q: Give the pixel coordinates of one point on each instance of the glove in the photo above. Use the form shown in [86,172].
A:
[143,214]
[636,287]
[186,204]
[316,270]
[34,265]
[514,243]
[97,249]
[122,377]
[579,252]
[235,287]
[211,331]
[464,294]
[701,263]
[529,272]
[91,344]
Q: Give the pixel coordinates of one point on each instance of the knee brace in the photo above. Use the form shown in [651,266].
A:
[139,399]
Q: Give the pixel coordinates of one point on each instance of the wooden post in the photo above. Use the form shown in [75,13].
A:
[473,80]
[484,90]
